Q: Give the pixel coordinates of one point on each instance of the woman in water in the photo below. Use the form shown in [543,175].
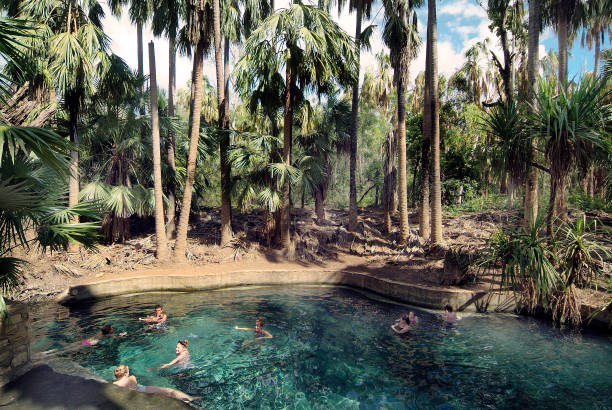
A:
[123,379]
[402,325]
[449,315]
[105,331]
[258,331]
[182,356]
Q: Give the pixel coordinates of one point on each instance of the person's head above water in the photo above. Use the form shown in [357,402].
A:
[181,345]
[107,329]
[405,318]
[122,371]
[448,308]
[259,322]
[159,309]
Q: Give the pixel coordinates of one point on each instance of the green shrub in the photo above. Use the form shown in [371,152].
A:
[584,202]
[451,190]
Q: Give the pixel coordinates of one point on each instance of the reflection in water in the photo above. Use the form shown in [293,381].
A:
[333,348]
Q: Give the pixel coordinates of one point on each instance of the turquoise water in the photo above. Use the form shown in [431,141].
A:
[333,348]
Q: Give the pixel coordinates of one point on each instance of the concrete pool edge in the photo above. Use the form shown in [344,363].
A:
[417,295]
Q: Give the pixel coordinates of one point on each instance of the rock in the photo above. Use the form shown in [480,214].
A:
[19,359]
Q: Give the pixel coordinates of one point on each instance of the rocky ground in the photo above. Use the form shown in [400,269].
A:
[325,244]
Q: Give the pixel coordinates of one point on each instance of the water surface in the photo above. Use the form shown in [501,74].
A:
[333,348]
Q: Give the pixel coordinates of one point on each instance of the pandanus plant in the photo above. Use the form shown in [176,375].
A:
[564,119]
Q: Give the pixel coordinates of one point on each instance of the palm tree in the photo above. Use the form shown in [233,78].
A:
[160,230]
[223,125]
[533,44]
[116,159]
[566,16]
[475,74]
[74,46]
[400,34]
[431,120]
[166,19]
[597,24]
[198,32]
[566,118]
[140,12]
[506,17]
[31,161]
[362,8]
[315,52]
[377,89]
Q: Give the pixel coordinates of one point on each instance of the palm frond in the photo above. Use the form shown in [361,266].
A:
[11,270]
[49,147]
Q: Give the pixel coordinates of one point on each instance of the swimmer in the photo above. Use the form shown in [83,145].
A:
[158,318]
[402,325]
[105,331]
[258,331]
[449,315]
[182,356]
[414,319]
[123,379]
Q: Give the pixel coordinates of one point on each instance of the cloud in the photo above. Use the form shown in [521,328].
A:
[547,34]
[463,8]
[449,60]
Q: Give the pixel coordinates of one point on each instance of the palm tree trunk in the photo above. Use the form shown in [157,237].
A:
[562,33]
[285,222]
[194,133]
[533,41]
[558,202]
[226,207]
[352,225]
[140,59]
[73,181]
[402,190]
[597,50]
[424,210]
[226,76]
[413,194]
[320,192]
[319,207]
[591,180]
[160,231]
[171,223]
[390,183]
[432,48]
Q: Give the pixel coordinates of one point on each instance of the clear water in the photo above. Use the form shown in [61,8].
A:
[333,348]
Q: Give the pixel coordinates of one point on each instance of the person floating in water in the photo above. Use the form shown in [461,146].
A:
[449,315]
[402,325]
[182,358]
[105,331]
[258,331]
[123,379]
[158,319]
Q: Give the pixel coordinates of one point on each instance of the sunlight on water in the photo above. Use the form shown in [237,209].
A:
[333,348]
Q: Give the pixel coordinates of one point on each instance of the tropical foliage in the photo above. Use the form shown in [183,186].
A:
[506,129]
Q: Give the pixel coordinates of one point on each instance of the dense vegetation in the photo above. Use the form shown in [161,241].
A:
[84,136]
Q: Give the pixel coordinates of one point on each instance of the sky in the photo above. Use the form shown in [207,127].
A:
[461,23]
